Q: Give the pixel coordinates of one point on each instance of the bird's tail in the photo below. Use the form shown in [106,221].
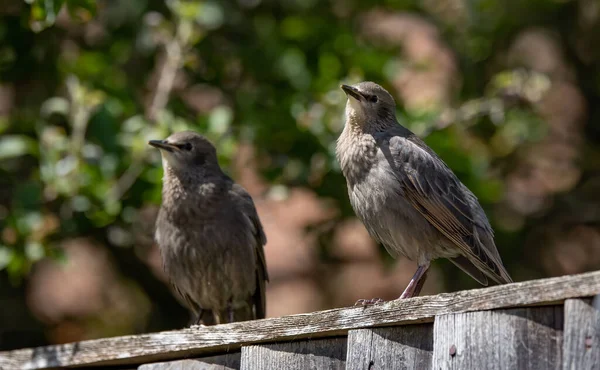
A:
[490,263]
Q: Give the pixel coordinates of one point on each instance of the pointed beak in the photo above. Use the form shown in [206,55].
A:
[162,145]
[352,91]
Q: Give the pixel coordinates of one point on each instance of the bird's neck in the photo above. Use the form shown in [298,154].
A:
[356,150]
[194,188]
[362,121]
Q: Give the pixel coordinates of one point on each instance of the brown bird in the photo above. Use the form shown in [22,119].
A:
[407,197]
[209,234]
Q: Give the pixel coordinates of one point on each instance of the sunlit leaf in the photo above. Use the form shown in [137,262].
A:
[55,105]
[43,13]
[82,10]
[6,254]
[17,145]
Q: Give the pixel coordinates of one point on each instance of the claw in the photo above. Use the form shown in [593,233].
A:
[368,302]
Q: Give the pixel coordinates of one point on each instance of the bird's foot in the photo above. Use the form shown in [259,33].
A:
[368,302]
[197,326]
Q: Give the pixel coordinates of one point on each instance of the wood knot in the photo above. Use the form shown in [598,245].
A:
[453,350]
[588,341]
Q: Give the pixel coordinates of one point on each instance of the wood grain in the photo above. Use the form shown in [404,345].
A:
[318,354]
[229,361]
[520,338]
[192,342]
[581,344]
[399,347]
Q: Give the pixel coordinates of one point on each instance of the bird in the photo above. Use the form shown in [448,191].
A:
[409,200]
[209,234]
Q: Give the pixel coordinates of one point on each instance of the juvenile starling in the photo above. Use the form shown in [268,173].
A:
[209,234]
[407,197]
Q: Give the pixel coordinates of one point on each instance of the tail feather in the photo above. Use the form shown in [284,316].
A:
[464,264]
[493,266]
[258,298]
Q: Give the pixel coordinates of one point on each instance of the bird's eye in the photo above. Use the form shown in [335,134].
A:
[373,98]
[186,146]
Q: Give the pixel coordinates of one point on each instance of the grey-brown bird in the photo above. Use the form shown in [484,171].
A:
[407,197]
[209,234]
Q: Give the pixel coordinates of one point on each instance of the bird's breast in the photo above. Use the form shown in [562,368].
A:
[210,260]
[379,202]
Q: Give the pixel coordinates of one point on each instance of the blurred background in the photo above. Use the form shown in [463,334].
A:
[506,91]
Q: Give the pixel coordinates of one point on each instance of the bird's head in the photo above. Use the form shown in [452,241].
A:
[186,150]
[368,103]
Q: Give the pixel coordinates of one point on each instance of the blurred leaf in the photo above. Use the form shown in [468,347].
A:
[17,145]
[295,28]
[43,13]
[17,267]
[6,254]
[34,251]
[55,105]
[220,120]
[82,10]
[4,124]
[211,15]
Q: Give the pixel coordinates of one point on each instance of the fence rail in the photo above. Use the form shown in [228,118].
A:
[538,324]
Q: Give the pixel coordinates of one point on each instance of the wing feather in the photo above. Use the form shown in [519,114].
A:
[432,188]
[259,297]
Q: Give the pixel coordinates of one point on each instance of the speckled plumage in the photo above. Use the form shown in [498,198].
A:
[209,234]
[406,196]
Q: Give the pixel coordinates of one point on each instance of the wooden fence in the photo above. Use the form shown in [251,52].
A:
[539,324]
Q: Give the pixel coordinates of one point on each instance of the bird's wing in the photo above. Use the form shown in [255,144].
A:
[262,276]
[446,203]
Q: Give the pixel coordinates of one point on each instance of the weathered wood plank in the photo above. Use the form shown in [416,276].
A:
[193,342]
[520,338]
[399,347]
[581,343]
[308,354]
[230,361]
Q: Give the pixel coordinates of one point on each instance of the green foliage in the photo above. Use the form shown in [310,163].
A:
[73,151]
[44,12]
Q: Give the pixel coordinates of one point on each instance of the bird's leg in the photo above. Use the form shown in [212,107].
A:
[198,321]
[416,283]
[200,314]
[420,284]
[412,290]
[230,311]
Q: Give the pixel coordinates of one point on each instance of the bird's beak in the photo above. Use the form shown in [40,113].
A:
[352,91]
[162,145]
